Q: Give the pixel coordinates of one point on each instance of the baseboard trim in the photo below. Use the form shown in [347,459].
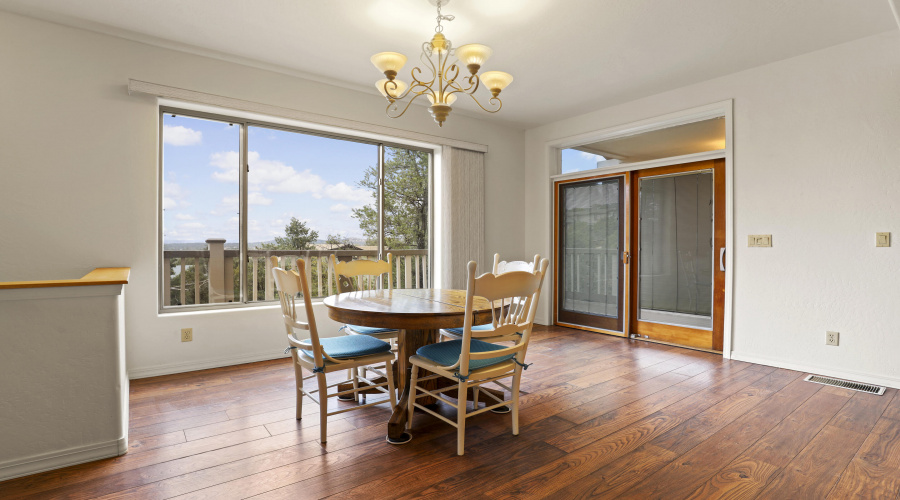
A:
[59,459]
[190,366]
[868,378]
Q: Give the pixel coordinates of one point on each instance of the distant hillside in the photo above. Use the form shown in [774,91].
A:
[320,244]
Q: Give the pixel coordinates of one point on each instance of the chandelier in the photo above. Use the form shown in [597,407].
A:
[443,82]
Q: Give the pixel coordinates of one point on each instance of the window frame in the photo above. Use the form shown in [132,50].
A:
[243,124]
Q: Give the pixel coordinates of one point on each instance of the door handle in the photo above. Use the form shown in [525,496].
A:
[626,258]
[722,259]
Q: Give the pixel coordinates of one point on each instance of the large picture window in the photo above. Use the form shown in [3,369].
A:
[235,193]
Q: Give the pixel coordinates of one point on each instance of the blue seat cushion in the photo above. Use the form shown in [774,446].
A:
[369,330]
[447,353]
[351,346]
[478,328]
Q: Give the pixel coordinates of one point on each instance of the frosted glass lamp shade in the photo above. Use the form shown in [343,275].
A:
[450,98]
[473,54]
[496,81]
[393,91]
[389,63]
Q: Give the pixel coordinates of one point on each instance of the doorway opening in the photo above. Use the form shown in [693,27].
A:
[640,238]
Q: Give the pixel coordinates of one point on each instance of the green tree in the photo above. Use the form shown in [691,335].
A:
[405,200]
[336,241]
[297,236]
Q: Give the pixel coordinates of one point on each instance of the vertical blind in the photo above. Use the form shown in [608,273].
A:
[462,215]
[676,240]
[590,227]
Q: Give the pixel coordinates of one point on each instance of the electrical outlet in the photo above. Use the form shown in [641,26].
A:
[832,338]
[882,239]
[187,334]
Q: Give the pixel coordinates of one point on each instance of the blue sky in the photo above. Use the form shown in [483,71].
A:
[576,161]
[308,177]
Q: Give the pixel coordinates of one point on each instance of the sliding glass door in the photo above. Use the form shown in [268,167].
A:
[642,254]
[676,226]
[679,234]
[591,239]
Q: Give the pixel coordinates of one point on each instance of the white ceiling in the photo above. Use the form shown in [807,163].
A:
[567,56]
[695,137]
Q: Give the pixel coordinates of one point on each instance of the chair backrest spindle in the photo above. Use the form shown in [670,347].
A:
[514,295]
[290,284]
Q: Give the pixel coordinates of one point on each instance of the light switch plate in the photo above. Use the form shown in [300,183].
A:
[882,239]
[759,240]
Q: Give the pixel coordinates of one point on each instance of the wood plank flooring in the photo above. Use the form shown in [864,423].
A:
[601,417]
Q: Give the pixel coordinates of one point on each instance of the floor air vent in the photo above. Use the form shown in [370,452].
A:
[856,386]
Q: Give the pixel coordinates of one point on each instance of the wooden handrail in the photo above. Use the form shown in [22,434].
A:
[99,276]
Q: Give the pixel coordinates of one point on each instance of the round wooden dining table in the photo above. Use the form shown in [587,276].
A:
[418,314]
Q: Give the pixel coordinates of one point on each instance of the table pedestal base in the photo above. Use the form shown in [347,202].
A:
[409,342]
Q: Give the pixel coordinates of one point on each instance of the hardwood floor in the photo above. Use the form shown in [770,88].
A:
[601,417]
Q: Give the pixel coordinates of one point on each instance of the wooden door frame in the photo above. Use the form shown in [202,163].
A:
[552,161]
[688,336]
[626,245]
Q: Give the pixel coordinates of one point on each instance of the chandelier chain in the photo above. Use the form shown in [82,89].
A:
[439,28]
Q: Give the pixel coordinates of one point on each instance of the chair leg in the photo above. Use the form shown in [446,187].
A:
[412,396]
[355,378]
[298,374]
[461,418]
[362,372]
[517,377]
[323,407]
[392,392]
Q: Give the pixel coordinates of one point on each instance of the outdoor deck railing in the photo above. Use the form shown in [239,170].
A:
[213,275]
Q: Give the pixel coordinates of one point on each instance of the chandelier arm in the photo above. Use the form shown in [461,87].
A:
[396,106]
[493,100]
[416,81]
[412,87]
[467,90]
[451,81]
[474,86]
[457,88]
[426,59]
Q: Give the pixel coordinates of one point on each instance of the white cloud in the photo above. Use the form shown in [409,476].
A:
[296,182]
[184,217]
[181,136]
[228,162]
[191,225]
[344,192]
[255,198]
[340,207]
[269,175]
[174,196]
[591,156]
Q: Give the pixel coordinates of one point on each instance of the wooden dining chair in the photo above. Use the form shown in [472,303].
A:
[321,356]
[472,362]
[360,275]
[499,267]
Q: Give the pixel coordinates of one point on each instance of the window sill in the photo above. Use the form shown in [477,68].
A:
[235,307]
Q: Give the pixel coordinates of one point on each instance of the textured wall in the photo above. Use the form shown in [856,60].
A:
[817,165]
[61,377]
[80,175]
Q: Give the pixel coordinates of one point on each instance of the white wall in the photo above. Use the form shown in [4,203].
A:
[817,165]
[79,174]
[64,392]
